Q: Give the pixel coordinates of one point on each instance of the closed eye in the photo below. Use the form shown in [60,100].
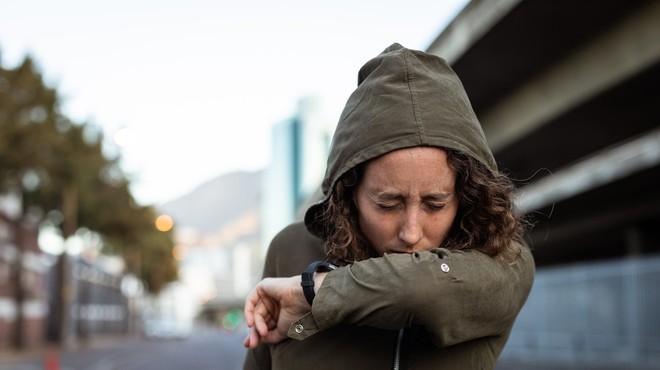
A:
[387,206]
[435,207]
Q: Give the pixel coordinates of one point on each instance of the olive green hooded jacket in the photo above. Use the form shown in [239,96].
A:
[437,309]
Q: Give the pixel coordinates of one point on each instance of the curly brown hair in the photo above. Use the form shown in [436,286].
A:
[485,221]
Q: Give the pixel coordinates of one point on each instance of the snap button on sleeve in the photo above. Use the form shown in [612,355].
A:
[444,267]
[303,327]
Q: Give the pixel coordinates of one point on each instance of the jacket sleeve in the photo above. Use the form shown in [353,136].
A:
[457,296]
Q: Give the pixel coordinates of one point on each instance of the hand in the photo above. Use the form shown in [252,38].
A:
[270,309]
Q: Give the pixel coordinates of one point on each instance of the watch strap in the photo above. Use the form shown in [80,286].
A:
[307,278]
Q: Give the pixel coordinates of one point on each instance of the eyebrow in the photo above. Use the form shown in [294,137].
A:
[439,196]
[443,196]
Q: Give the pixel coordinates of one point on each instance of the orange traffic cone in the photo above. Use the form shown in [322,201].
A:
[52,360]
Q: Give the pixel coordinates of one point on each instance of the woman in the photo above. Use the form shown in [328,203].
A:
[432,270]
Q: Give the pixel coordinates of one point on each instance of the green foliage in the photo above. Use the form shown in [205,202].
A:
[58,165]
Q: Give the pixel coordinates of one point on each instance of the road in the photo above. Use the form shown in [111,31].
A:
[204,349]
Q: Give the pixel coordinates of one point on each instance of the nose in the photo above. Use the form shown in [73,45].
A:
[411,230]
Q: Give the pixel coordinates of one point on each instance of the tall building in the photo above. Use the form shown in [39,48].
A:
[300,148]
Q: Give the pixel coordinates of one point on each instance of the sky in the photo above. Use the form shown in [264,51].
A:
[185,91]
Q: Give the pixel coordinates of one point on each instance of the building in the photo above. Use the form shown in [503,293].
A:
[216,270]
[30,313]
[300,148]
[567,93]
[23,293]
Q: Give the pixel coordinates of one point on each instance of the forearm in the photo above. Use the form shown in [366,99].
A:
[472,296]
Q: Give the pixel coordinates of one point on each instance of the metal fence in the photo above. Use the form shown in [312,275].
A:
[606,312]
[99,306]
[96,306]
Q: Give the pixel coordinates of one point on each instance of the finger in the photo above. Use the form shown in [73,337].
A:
[273,337]
[272,325]
[251,302]
[253,340]
[248,311]
[261,323]
[254,300]
[266,314]
[268,331]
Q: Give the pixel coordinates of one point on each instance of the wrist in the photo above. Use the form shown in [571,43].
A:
[308,277]
[319,276]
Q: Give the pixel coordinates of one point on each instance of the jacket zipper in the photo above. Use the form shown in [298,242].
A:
[397,354]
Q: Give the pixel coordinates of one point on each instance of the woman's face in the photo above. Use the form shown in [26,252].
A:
[406,200]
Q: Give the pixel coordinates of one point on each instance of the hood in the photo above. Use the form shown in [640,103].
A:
[404,98]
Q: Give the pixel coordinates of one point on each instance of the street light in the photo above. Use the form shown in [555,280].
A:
[164,223]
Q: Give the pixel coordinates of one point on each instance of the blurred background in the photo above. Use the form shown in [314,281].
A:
[150,150]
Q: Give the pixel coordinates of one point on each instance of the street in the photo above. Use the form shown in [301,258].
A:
[203,349]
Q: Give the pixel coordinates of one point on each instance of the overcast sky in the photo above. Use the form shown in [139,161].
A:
[195,85]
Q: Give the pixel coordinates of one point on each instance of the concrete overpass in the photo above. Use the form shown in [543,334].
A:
[568,93]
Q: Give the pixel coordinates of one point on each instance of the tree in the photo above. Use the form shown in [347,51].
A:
[55,165]
[27,111]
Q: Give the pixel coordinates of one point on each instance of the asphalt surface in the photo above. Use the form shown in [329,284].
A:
[209,348]
[203,349]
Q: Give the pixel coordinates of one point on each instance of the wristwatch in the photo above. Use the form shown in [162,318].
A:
[307,282]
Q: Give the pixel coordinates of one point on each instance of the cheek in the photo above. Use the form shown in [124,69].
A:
[440,229]
[368,224]
[377,230]
[442,225]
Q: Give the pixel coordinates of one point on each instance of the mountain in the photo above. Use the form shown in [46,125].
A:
[217,203]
